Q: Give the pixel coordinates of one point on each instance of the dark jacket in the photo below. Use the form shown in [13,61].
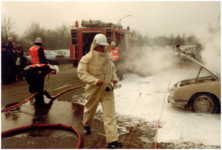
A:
[20,52]
[23,63]
[11,54]
[42,58]
[5,59]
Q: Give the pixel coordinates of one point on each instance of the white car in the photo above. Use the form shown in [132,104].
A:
[202,94]
[65,52]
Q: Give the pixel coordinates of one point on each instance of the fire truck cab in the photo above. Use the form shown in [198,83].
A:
[82,37]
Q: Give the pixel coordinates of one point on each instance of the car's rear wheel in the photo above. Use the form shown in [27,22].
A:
[205,103]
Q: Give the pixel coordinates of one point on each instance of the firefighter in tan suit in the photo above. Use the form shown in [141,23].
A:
[97,70]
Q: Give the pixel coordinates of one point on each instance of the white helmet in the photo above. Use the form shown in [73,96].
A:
[38,40]
[100,39]
[55,67]
[113,43]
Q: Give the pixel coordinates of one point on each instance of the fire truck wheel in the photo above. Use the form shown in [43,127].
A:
[75,63]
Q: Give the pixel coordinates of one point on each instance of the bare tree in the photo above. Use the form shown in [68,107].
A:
[50,39]
[6,27]
[63,36]
[32,32]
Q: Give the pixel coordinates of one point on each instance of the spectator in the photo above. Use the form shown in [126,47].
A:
[5,65]
[20,50]
[23,64]
[17,63]
[11,50]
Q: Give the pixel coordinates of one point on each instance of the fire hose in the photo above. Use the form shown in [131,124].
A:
[158,123]
[36,93]
[33,126]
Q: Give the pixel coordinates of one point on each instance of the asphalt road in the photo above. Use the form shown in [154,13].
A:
[66,109]
[63,110]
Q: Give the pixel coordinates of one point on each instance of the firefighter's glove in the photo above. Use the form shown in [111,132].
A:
[115,82]
[100,83]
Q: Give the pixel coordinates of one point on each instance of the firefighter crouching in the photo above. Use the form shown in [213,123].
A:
[35,75]
[97,70]
[37,71]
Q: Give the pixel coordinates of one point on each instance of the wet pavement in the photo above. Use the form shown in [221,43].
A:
[67,109]
[69,114]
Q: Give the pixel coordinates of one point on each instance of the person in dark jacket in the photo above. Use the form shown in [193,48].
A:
[4,65]
[20,50]
[11,50]
[31,72]
[35,74]
[23,64]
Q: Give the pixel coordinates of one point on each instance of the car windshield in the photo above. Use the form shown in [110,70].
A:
[52,53]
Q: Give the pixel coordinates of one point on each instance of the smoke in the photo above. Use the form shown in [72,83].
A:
[154,60]
[210,39]
[150,61]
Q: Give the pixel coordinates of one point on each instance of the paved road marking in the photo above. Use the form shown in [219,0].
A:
[62,86]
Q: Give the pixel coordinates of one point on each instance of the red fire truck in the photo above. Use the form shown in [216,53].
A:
[82,37]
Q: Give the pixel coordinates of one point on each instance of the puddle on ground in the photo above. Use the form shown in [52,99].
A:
[51,113]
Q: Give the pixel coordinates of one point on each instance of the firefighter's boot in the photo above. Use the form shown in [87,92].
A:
[87,130]
[114,145]
[47,94]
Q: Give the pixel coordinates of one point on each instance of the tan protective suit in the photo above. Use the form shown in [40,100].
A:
[92,67]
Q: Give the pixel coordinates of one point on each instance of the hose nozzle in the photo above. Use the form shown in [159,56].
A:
[109,87]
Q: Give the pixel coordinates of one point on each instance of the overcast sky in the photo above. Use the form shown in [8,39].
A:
[149,17]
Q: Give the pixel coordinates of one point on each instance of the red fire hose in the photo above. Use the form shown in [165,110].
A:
[160,115]
[20,103]
[68,90]
[36,93]
[32,126]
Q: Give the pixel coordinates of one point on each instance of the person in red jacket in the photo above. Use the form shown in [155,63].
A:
[37,52]
[114,51]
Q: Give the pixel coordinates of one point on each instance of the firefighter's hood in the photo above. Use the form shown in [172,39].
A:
[92,51]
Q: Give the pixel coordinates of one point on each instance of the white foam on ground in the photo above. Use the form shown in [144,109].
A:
[142,97]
